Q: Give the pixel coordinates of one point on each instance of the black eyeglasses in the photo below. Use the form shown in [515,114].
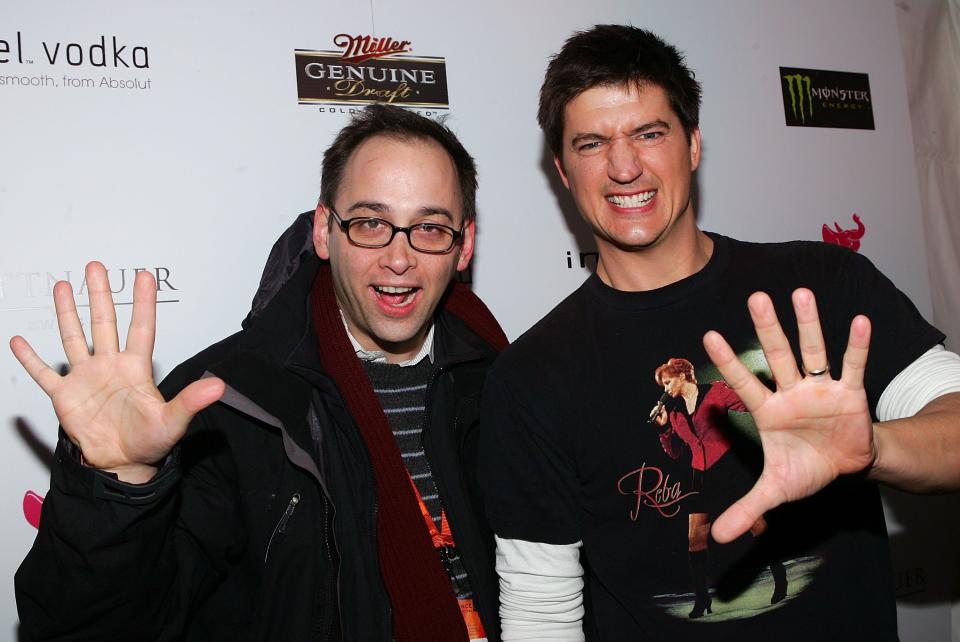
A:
[372,232]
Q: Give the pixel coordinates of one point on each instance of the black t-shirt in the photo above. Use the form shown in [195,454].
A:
[569,452]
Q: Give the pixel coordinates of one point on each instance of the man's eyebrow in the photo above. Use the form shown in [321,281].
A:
[436,211]
[586,137]
[656,124]
[374,206]
[382,208]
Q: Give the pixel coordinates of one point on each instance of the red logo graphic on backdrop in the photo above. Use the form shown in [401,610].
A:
[362,48]
[845,238]
[32,503]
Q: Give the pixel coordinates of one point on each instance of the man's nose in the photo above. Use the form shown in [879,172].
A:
[624,164]
[398,256]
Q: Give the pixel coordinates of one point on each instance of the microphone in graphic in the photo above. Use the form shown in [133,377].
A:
[658,408]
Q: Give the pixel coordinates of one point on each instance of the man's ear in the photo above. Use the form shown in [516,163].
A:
[558,163]
[694,149]
[321,231]
[466,245]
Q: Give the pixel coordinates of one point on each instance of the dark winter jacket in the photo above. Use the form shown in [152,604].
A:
[251,531]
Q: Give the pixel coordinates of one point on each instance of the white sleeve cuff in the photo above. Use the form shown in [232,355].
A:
[541,590]
[933,374]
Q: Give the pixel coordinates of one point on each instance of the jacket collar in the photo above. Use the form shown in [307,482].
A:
[276,362]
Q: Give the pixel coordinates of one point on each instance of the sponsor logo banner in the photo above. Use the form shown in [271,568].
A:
[31,61]
[370,70]
[33,291]
[819,98]
[848,238]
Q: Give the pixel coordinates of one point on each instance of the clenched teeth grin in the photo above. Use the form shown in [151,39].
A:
[632,201]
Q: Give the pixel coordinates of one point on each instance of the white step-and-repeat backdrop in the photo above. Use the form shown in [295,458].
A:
[182,137]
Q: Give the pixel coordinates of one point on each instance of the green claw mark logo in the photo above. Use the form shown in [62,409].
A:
[800,96]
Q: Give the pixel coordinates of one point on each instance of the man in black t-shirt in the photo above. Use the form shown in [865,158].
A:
[603,530]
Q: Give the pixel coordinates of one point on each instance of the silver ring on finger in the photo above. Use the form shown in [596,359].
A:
[819,372]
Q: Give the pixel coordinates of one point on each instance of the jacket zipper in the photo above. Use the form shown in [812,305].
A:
[323,621]
[281,526]
[261,415]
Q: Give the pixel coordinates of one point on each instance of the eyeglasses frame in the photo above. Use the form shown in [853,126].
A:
[344,225]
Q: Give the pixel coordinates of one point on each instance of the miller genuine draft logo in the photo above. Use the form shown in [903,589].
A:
[357,49]
[368,69]
[819,98]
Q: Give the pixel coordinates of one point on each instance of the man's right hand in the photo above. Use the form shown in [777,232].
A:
[108,404]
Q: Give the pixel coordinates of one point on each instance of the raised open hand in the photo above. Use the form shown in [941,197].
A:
[813,428]
[108,404]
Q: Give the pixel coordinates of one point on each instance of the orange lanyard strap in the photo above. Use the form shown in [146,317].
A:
[442,538]
[443,542]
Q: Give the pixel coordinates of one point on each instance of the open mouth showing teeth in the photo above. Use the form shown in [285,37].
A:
[634,200]
[397,296]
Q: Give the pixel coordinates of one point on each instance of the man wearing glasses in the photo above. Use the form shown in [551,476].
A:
[309,477]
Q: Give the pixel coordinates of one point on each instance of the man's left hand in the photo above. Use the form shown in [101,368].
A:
[814,428]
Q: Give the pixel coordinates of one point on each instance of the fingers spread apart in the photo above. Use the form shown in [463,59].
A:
[813,350]
[744,513]
[103,316]
[39,371]
[750,389]
[855,356]
[143,321]
[68,321]
[776,347]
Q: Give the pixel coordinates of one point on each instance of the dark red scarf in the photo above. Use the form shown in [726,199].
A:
[424,606]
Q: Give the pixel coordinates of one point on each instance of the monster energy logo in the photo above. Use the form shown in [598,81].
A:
[842,98]
[801,98]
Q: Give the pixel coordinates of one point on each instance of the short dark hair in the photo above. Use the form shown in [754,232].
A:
[380,119]
[615,55]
